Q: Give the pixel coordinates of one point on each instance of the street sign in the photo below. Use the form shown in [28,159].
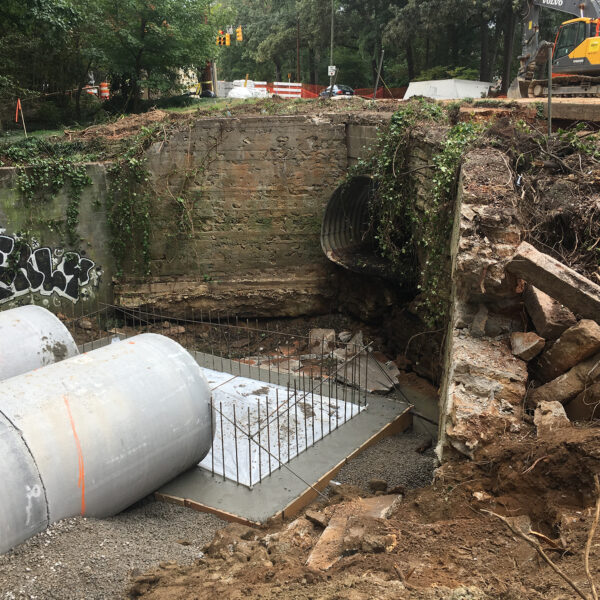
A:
[331,71]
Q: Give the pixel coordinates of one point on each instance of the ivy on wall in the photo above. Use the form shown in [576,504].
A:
[43,178]
[414,236]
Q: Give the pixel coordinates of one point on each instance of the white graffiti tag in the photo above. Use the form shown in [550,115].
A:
[23,270]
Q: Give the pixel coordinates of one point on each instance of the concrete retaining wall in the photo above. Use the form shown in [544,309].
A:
[37,264]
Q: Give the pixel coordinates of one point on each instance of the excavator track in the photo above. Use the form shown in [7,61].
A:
[568,86]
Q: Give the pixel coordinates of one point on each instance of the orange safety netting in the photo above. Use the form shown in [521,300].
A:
[312,91]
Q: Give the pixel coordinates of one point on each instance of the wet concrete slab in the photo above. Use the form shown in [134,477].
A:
[289,489]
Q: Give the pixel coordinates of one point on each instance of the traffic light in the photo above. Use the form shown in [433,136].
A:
[227,40]
[238,34]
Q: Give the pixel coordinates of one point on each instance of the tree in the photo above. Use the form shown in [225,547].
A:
[148,42]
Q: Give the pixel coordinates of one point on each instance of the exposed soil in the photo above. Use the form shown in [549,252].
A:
[445,547]
[97,558]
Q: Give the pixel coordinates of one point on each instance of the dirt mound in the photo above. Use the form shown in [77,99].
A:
[443,545]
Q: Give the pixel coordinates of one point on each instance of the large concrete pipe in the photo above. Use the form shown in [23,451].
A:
[32,337]
[95,433]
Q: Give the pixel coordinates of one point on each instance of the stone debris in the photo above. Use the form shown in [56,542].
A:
[85,324]
[334,541]
[356,342]
[549,317]
[321,338]
[485,393]
[568,385]
[344,336]
[526,345]
[560,282]
[575,345]
[318,518]
[550,416]
[479,321]
[586,405]
[369,373]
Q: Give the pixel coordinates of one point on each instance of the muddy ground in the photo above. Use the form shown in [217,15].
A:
[445,546]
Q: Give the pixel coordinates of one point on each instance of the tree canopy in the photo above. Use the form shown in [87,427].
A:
[52,47]
[477,39]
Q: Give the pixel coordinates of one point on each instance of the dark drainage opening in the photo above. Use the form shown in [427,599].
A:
[347,236]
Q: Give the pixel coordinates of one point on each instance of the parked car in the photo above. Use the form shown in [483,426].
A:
[338,90]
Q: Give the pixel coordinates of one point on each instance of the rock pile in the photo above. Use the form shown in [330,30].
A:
[327,355]
[563,353]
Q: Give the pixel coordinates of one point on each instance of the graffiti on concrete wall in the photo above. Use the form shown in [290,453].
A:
[24,270]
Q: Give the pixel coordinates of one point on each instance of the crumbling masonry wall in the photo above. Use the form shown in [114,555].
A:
[484,385]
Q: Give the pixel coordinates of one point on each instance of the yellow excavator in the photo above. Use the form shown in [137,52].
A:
[575,52]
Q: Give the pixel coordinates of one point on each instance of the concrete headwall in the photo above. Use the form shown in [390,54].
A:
[251,193]
[236,209]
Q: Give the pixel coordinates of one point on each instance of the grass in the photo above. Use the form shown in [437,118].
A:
[15,136]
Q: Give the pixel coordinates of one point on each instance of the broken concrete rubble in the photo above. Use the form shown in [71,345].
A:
[526,345]
[560,282]
[369,373]
[570,384]
[550,416]
[575,345]
[549,317]
[321,338]
[345,532]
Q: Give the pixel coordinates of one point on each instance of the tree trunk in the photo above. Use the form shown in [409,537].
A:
[82,80]
[508,29]
[311,67]
[277,70]
[484,60]
[410,63]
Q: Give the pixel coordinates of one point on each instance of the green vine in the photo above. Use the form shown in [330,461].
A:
[43,178]
[128,205]
[410,231]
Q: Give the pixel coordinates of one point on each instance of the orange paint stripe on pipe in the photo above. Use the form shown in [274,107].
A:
[81,480]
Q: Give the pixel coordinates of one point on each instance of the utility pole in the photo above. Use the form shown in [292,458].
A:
[378,75]
[331,50]
[298,50]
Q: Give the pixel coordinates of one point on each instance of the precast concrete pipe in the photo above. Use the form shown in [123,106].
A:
[95,433]
[32,337]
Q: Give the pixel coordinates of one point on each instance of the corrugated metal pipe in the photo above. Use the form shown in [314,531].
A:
[347,236]
[94,433]
[32,337]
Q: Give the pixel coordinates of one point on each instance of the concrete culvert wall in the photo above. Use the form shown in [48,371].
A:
[32,337]
[95,433]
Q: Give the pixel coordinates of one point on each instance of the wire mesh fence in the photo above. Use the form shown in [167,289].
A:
[274,393]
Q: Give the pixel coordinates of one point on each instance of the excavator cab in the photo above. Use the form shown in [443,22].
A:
[569,36]
[577,47]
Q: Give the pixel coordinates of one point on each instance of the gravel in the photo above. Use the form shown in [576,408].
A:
[394,460]
[93,559]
